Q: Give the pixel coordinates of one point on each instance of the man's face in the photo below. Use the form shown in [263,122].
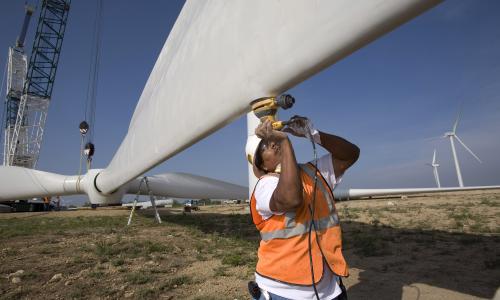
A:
[270,152]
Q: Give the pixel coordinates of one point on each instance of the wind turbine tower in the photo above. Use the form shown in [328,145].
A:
[434,166]
[452,136]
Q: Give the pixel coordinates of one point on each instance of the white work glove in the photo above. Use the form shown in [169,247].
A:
[302,127]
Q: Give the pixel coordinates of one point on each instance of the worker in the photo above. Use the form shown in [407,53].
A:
[296,258]
[46,203]
[57,203]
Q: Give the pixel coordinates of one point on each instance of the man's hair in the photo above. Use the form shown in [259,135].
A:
[258,156]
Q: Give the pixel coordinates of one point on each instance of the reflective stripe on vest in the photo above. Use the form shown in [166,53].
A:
[299,229]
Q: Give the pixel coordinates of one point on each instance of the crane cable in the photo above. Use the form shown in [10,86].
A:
[88,123]
[4,115]
[90,104]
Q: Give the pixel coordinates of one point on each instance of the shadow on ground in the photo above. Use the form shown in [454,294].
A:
[390,258]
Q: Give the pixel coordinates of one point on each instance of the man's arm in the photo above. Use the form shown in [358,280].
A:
[344,153]
[288,194]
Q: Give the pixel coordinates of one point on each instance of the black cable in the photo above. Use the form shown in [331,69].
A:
[311,211]
[90,104]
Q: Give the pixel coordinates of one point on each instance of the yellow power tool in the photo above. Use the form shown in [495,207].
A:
[266,108]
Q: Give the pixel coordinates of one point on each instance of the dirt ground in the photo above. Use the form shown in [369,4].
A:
[441,246]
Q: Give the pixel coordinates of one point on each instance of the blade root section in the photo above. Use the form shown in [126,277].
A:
[18,183]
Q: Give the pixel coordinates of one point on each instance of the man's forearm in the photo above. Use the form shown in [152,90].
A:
[288,193]
[339,147]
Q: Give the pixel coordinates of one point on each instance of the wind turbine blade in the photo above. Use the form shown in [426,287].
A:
[457,120]
[221,55]
[182,185]
[18,183]
[467,148]
[434,157]
[353,194]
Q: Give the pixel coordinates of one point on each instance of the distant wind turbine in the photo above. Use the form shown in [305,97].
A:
[434,166]
[452,135]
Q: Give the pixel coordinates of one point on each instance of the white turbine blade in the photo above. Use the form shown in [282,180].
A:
[457,120]
[221,55]
[352,194]
[467,148]
[18,183]
[434,157]
[182,185]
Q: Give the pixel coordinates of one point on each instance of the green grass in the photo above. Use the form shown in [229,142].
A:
[221,271]
[62,226]
[140,277]
[490,202]
[107,250]
[175,282]
[147,293]
[234,259]
[96,274]
[118,262]
[349,213]
[475,222]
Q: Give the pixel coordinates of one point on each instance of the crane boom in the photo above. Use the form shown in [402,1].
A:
[26,113]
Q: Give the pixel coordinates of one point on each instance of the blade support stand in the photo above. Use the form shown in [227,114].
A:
[151,198]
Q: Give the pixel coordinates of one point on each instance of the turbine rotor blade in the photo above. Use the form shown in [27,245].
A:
[457,120]
[434,157]
[182,185]
[204,49]
[467,148]
[17,183]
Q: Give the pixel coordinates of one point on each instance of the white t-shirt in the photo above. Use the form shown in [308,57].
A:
[328,287]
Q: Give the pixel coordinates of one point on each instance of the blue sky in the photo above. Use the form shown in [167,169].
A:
[388,97]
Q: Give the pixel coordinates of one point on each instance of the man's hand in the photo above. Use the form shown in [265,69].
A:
[266,132]
[300,126]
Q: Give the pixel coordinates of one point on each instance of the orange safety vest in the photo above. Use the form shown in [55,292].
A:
[284,249]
